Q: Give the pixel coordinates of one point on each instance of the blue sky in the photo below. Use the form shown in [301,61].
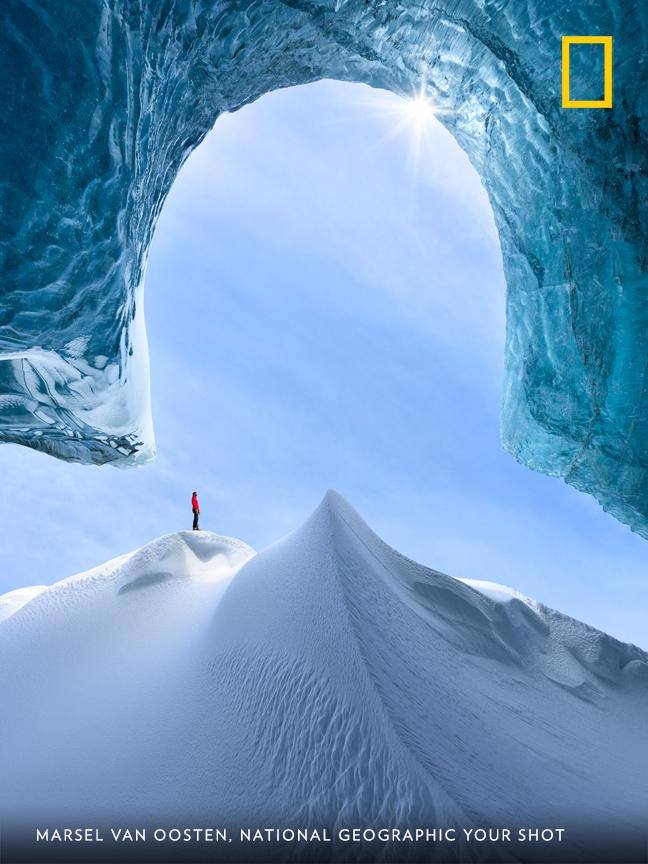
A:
[324,310]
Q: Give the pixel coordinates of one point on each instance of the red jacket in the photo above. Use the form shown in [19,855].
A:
[194,502]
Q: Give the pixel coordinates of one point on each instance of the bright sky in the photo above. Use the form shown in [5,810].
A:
[324,312]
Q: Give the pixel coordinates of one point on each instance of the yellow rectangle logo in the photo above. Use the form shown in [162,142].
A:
[606,101]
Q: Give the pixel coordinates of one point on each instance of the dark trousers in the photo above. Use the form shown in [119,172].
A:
[196,518]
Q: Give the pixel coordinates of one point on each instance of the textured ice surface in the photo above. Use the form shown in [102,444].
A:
[102,102]
[326,680]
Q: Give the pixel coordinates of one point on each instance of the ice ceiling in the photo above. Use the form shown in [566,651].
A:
[103,100]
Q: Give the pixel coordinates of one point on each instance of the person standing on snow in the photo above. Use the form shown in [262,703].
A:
[195,506]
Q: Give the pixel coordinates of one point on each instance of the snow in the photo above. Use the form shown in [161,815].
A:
[12,601]
[326,680]
[500,593]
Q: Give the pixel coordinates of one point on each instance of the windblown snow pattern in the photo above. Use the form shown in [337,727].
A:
[103,100]
[325,681]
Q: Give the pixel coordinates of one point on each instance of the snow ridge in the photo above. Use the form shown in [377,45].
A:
[327,680]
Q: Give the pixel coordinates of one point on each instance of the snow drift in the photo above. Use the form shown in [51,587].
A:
[325,681]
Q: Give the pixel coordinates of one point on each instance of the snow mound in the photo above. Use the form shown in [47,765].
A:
[12,601]
[327,680]
[192,556]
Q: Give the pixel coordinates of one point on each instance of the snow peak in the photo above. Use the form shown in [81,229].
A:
[285,835]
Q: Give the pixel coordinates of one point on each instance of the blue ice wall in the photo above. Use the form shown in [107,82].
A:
[102,100]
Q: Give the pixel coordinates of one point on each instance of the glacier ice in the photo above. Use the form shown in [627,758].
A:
[326,680]
[103,100]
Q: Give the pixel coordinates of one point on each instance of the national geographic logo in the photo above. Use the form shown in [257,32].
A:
[606,42]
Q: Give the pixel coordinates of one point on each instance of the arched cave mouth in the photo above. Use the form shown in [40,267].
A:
[103,103]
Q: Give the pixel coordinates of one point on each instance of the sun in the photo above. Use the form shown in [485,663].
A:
[418,109]
[413,113]
[418,114]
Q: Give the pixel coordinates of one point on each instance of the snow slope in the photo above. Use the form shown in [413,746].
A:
[326,680]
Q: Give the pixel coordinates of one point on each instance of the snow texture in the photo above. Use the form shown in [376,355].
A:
[327,680]
[103,101]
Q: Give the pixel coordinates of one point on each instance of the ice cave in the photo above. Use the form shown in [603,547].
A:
[104,100]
